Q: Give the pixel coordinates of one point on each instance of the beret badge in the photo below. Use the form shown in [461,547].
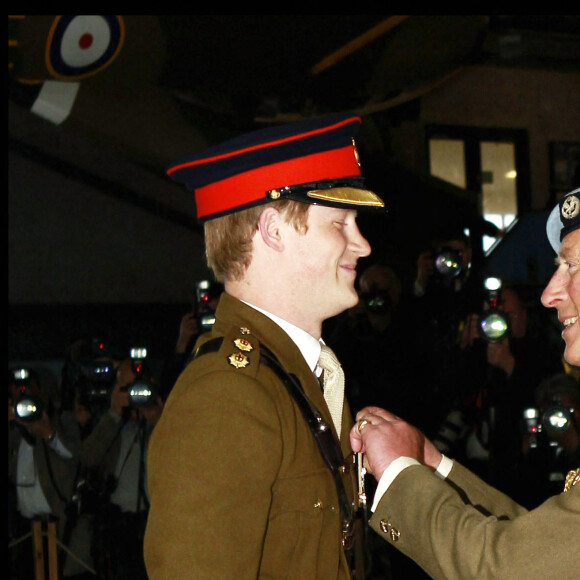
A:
[570,208]
[563,219]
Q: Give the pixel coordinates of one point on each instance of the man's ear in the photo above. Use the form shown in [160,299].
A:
[269,226]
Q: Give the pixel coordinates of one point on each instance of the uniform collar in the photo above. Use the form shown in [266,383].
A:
[306,343]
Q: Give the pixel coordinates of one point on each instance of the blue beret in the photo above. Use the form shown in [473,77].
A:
[314,161]
[564,218]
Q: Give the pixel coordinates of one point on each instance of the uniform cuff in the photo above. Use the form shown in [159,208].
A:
[389,476]
[398,465]
[444,467]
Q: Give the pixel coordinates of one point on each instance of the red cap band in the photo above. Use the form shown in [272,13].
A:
[250,186]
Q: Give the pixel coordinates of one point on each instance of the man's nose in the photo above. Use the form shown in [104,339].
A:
[554,291]
[360,243]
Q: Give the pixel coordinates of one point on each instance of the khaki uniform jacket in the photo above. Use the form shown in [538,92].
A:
[238,488]
[426,518]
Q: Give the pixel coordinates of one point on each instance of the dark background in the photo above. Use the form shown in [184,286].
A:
[101,242]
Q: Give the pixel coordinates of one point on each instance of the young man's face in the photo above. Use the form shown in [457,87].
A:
[325,260]
[563,294]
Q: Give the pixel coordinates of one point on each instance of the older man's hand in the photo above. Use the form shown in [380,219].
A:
[384,437]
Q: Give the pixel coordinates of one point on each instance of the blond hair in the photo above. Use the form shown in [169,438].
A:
[229,239]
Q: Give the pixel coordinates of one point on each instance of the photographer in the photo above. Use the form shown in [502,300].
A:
[116,452]
[500,374]
[87,377]
[43,450]
[552,438]
[447,288]
[559,397]
[192,324]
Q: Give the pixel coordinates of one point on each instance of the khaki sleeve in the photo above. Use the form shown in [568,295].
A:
[432,522]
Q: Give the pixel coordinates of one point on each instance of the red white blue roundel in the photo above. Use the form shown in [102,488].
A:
[80,46]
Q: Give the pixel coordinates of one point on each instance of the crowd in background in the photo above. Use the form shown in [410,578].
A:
[502,403]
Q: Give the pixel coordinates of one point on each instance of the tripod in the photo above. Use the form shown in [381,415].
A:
[44,545]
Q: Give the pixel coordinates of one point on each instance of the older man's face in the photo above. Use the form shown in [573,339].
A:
[563,294]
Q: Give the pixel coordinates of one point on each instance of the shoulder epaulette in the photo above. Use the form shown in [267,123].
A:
[239,347]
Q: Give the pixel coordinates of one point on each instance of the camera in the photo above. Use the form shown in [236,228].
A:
[493,323]
[205,292]
[553,422]
[141,391]
[96,380]
[27,406]
[447,263]
[532,425]
[377,301]
[557,419]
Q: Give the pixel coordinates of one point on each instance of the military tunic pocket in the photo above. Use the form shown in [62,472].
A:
[303,535]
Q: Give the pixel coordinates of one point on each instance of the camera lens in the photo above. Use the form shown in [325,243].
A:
[140,394]
[557,419]
[99,372]
[28,408]
[378,302]
[207,321]
[493,326]
[447,263]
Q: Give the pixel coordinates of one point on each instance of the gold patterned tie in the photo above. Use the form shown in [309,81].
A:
[333,384]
